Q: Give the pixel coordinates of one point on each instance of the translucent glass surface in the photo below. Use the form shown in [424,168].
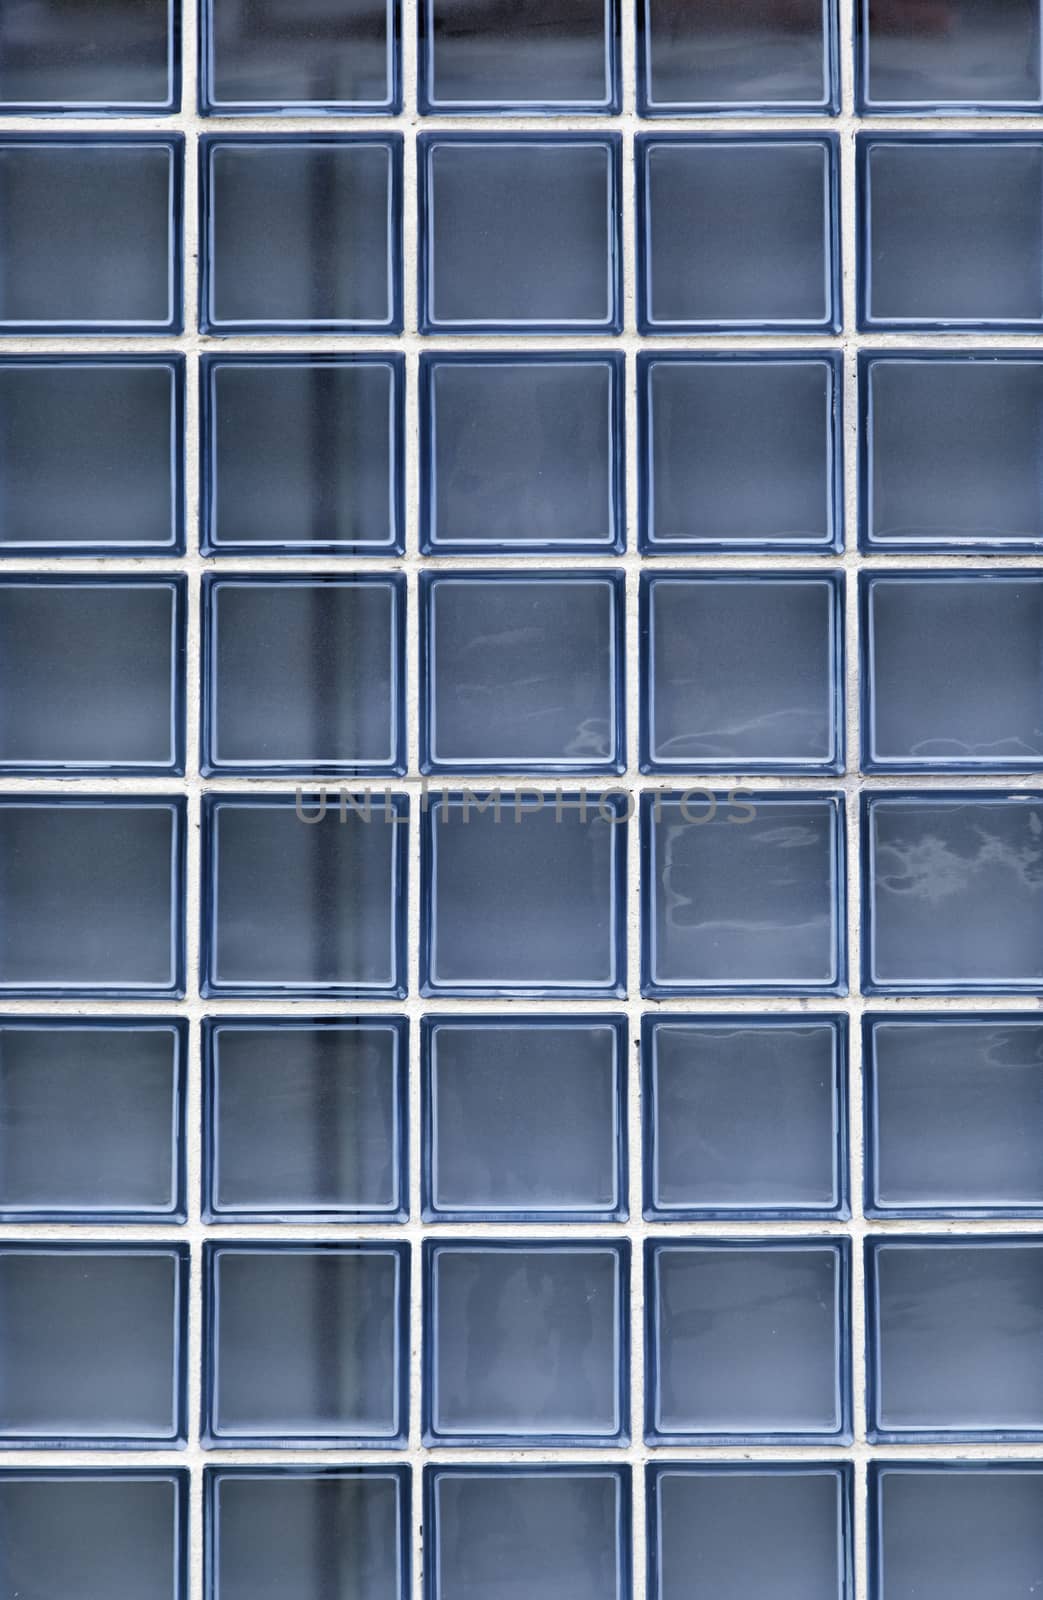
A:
[93,57]
[955,1531]
[300,55]
[977,55]
[712,55]
[477,55]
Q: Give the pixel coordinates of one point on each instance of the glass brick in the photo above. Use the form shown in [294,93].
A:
[710,56]
[90,57]
[300,56]
[973,55]
[541,57]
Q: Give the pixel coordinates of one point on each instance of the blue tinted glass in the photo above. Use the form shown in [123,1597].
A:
[712,55]
[91,57]
[954,1530]
[972,55]
[481,56]
[301,56]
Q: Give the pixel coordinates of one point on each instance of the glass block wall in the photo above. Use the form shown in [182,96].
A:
[521,869]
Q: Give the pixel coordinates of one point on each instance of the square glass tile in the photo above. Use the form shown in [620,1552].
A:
[480,56]
[737,234]
[92,1120]
[524,1118]
[974,55]
[522,674]
[90,58]
[558,1532]
[520,233]
[300,57]
[93,1345]
[954,1331]
[708,56]
[306,1344]
[305,1118]
[90,233]
[301,233]
[748,1341]
[739,454]
[303,674]
[777,1532]
[744,1116]
[526,1342]
[308,1532]
[521,454]
[303,456]
[953,900]
[742,672]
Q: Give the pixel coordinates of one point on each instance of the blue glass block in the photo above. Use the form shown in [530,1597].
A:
[533,906]
[950,452]
[91,895]
[707,56]
[953,893]
[951,231]
[303,455]
[521,454]
[526,1342]
[954,1115]
[520,673]
[119,56]
[742,672]
[739,454]
[90,233]
[953,1332]
[954,1530]
[745,1116]
[79,1533]
[305,1118]
[91,455]
[310,1532]
[737,233]
[304,894]
[94,672]
[524,1118]
[306,1344]
[967,56]
[300,57]
[520,233]
[742,893]
[748,1340]
[561,1532]
[301,233]
[778,1531]
[479,56]
[952,672]
[92,1119]
[304,674]
[92,1345]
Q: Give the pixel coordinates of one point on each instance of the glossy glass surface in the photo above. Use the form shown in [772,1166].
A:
[304,895]
[954,1111]
[92,1340]
[519,233]
[105,55]
[305,1118]
[744,1116]
[736,233]
[300,55]
[954,1329]
[303,456]
[949,452]
[302,233]
[526,1342]
[747,1340]
[312,1533]
[90,233]
[306,1344]
[80,1534]
[779,1532]
[952,232]
[522,674]
[711,55]
[92,1120]
[529,907]
[742,893]
[93,674]
[739,454]
[524,1118]
[90,895]
[520,454]
[741,672]
[975,55]
[953,899]
[558,1532]
[305,675]
[480,55]
[954,1531]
